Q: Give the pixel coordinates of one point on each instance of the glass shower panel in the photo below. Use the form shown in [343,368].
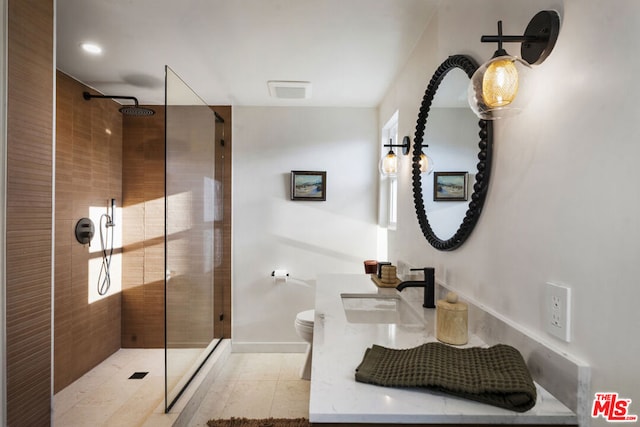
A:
[193,203]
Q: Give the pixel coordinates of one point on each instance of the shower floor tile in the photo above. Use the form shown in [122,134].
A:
[253,385]
[105,396]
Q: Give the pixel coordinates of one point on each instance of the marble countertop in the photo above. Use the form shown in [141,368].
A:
[339,346]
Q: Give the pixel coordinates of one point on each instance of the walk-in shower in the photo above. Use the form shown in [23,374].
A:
[172,207]
[157,304]
[190,203]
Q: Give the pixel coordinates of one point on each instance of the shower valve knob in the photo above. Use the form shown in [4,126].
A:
[84,231]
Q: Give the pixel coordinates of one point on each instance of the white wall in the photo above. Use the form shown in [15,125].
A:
[563,201]
[272,232]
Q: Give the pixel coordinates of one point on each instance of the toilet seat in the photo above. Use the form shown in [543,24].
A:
[304,328]
[306,318]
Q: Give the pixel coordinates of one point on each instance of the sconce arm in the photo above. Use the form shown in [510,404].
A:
[405,145]
[538,39]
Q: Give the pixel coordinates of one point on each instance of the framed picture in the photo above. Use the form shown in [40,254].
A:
[450,186]
[308,185]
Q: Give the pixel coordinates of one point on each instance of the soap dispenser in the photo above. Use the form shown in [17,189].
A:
[452,320]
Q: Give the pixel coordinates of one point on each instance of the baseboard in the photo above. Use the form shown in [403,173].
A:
[268,347]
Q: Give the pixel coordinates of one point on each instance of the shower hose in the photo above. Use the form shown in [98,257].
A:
[106,246]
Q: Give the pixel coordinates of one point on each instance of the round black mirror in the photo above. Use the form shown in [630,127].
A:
[473,203]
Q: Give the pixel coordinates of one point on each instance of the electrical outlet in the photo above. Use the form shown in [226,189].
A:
[558,311]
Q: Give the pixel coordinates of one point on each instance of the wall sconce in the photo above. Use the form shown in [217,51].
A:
[498,88]
[425,163]
[389,163]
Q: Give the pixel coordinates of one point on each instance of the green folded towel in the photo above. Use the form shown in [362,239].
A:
[496,375]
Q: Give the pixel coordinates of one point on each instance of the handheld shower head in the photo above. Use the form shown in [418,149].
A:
[112,214]
[127,110]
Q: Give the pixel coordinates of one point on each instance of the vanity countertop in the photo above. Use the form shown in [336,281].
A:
[339,346]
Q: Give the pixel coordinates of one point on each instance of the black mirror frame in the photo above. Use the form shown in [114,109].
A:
[469,66]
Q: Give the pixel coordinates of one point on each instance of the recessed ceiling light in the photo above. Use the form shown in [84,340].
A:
[91,48]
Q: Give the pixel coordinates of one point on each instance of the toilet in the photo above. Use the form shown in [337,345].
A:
[304,328]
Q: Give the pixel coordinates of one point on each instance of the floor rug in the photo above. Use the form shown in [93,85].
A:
[266,422]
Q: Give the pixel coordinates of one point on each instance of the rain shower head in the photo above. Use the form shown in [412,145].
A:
[127,110]
[136,110]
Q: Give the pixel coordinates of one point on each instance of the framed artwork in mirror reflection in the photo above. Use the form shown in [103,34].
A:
[450,186]
[309,185]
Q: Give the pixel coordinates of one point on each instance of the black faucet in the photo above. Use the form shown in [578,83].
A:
[428,284]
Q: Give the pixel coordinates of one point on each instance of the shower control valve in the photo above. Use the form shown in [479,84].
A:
[84,231]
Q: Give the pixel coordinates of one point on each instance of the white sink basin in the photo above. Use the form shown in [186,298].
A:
[379,308]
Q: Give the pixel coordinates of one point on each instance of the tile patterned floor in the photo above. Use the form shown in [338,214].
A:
[256,385]
[251,385]
[105,396]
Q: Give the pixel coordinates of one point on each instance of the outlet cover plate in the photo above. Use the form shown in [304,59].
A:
[557,303]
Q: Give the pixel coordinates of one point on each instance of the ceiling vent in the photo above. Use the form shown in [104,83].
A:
[289,90]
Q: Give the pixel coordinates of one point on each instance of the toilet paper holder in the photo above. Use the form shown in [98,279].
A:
[280,275]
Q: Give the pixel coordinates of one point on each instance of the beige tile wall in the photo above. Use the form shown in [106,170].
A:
[143,239]
[88,173]
[29,133]
[143,233]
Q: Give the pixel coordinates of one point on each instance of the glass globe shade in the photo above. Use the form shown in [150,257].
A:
[499,88]
[389,164]
[500,83]
[426,164]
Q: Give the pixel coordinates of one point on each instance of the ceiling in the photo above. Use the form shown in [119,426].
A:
[227,50]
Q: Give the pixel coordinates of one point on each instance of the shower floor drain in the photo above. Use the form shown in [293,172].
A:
[138,375]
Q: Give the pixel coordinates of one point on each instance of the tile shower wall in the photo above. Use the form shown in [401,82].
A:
[88,174]
[29,135]
[143,233]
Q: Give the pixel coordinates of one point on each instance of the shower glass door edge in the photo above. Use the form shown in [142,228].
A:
[193,205]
